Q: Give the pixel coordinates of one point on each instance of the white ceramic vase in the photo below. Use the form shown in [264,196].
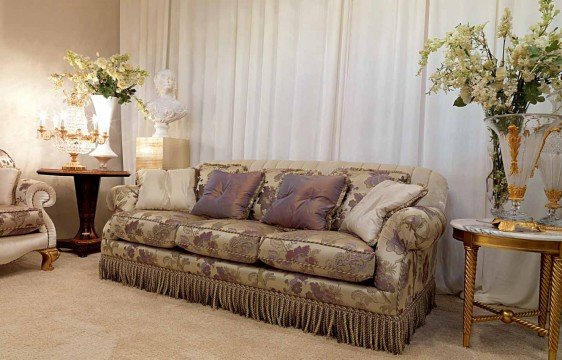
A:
[104,108]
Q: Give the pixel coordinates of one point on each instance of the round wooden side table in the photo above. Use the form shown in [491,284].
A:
[480,233]
[87,185]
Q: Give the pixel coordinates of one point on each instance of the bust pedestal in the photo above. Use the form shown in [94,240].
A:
[162,153]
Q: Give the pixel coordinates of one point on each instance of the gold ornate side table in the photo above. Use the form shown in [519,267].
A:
[479,233]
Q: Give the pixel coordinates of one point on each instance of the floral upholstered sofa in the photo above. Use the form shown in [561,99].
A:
[324,282]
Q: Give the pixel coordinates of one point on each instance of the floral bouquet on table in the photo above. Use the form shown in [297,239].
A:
[528,71]
[110,77]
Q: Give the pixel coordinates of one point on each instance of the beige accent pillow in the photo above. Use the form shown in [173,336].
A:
[166,189]
[367,217]
[8,180]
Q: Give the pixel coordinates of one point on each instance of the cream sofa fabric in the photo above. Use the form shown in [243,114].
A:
[434,182]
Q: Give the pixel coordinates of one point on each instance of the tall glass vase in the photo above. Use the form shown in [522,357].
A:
[521,138]
[550,167]
[104,108]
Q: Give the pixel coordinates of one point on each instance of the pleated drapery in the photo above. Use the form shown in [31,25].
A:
[331,80]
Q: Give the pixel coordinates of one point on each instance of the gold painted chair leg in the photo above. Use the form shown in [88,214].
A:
[470,257]
[544,290]
[49,257]
[555,308]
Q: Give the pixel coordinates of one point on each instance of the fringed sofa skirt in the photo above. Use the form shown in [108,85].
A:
[356,314]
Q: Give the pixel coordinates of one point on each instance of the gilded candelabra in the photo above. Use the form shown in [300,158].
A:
[71,135]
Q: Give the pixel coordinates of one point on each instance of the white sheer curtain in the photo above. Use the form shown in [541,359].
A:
[329,80]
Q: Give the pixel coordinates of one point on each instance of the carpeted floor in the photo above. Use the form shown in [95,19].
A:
[70,314]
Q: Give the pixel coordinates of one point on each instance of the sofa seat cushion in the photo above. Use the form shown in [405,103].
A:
[332,254]
[229,239]
[151,227]
[19,220]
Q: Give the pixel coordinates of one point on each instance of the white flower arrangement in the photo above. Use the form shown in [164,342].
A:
[112,76]
[530,68]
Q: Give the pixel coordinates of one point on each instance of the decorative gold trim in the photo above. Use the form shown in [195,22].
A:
[553,196]
[512,226]
[516,193]
[471,257]
[549,228]
[74,164]
[514,141]
[544,288]
[49,257]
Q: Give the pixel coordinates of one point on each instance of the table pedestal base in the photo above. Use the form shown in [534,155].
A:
[82,247]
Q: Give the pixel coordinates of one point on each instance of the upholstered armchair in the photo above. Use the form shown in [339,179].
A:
[25,225]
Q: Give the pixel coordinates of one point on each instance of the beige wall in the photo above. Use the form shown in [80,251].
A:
[34,35]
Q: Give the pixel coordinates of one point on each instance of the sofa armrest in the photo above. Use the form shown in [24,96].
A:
[35,193]
[122,198]
[39,195]
[405,252]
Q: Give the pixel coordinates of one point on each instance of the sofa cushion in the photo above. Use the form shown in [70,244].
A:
[236,240]
[19,220]
[271,182]
[151,227]
[332,254]
[205,170]
[361,181]
[229,196]
[307,202]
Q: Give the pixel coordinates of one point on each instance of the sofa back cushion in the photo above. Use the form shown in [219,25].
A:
[435,183]
[307,202]
[8,180]
[271,182]
[229,195]
[361,181]
[367,217]
[205,170]
[166,189]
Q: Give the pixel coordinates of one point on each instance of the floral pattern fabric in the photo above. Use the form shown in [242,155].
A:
[272,182]
[406,251]
[122,198]
[151,227]
[19,220]
[204,172]
[236,240]
[332,254]
[6,160]
[357,296]
[361,182]
[34,193]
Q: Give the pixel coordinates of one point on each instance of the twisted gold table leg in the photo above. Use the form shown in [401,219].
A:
[555,307]
[470,257]
[544,290]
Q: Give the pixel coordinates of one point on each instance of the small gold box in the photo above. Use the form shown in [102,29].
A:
[162,153]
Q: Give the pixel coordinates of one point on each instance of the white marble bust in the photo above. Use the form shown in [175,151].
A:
[165,109]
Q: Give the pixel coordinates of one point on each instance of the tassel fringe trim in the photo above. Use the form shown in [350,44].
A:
[347,325]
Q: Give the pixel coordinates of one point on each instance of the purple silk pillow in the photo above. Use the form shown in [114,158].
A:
[229,195]
[306,202]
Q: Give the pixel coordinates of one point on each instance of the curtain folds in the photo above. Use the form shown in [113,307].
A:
[329,80]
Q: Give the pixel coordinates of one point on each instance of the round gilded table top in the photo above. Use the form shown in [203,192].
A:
[97,172]
[485,227]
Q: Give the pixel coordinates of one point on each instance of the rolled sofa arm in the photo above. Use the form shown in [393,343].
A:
[38,195]
[405,252]
[122,198]
[35,193]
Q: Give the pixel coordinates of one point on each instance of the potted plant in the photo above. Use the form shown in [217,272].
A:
[106,82]
[527,71]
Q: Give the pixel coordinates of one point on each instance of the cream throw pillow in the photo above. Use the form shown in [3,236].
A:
[8,180]
[166,189]
[367,217]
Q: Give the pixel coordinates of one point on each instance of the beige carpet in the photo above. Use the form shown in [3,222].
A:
[70,314]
